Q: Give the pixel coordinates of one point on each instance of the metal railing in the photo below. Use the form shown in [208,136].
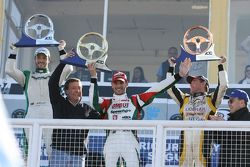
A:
[158,128]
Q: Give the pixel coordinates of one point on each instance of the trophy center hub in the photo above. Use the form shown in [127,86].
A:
[198,40]
[92,47]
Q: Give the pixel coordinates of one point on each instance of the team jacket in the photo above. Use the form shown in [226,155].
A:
[35,84]
[122,107]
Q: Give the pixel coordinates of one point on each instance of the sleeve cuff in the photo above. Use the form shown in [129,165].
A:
[171,70]
[220,67]
[62,52]
[177,77]
[93,80]
[12,56]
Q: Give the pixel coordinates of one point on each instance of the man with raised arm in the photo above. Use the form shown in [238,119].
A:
[68,145]
[35,85]
[197,105]
[122,146]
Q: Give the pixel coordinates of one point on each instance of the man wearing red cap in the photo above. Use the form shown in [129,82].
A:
[197,106]
[122,145]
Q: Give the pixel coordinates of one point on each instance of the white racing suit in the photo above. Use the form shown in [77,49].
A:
[35,85]
[194,149]
[122,145]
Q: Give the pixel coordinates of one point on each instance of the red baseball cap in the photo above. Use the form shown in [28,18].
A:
[119,76]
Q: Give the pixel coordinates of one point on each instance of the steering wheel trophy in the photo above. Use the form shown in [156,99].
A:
[38,32]
[198,45]
[92,47]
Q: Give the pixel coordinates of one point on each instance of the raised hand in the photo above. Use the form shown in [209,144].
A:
[222,60]
[92,70]
[61,45]
[172,62]
[13,49]
[71,53]
[185,67]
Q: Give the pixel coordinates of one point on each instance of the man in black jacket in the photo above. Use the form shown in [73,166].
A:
[68,147]
[235,145]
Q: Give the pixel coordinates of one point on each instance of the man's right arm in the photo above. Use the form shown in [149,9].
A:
[12,71]
[99,104]
[54,89]
[176,94]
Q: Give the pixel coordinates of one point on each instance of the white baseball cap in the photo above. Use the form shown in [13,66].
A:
[42,50]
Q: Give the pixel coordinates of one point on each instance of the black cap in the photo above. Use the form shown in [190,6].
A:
[200,77]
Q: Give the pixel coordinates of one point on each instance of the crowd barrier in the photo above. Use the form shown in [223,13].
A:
[159,140]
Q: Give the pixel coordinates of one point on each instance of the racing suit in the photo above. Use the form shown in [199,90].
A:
[197,107]
[122,144]
[35,85]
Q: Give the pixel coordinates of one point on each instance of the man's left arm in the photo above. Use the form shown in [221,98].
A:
[218,94]
[68,68]
[147,97]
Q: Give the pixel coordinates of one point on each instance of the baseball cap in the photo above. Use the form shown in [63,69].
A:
[43,50]
[200,77]
[240,94]
[119,76]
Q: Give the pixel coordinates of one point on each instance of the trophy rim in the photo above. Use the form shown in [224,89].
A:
[35,15]
[104,42]
[210,38]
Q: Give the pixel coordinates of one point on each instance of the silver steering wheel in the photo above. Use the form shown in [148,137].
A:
[92,51]
[38,26]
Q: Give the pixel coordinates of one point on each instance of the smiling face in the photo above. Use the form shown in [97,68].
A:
[235,104]
[119,87]
[247,71]
[41,61]
[74,91]
[197,85]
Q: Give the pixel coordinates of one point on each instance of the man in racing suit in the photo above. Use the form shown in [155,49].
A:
[197,106]
[122,146]
[35,85]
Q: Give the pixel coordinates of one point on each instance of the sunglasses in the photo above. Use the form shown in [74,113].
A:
[230,101]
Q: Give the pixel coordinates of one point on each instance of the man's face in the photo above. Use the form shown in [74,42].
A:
[74,92]
[119,87]
[197,85]
[173,53]
[42,61]
[137,73]
[235,104]
[248,72]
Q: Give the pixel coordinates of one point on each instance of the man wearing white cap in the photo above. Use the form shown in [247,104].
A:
[35,84]
[121,146]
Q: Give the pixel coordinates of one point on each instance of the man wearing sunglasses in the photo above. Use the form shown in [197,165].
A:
[234,145]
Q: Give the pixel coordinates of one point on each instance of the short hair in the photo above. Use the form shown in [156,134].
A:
[173,50]
[70,80]
[246,67]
